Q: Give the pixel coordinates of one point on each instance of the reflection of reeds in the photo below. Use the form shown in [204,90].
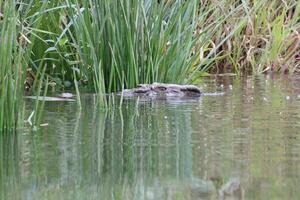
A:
[145,146]
[9,166]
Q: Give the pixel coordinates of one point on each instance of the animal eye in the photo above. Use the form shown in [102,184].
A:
[162,88]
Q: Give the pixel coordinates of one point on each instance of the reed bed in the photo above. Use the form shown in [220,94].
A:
[104,46]
[267,41]
[11,69]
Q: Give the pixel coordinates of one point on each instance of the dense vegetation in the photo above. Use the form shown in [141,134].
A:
[106,45]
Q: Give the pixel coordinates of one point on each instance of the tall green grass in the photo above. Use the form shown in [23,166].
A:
[110,45]
[118,44]
[267,41]
[20,39]
[105,45]
[11,67]
[123,43]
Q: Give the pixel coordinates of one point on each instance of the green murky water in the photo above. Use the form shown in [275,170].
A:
[163,149]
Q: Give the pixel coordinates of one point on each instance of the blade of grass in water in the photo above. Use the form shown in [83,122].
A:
[11,79]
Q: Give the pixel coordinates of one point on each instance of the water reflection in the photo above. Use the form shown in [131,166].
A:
[163,150]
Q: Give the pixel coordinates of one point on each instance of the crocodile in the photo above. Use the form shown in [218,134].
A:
[162,90]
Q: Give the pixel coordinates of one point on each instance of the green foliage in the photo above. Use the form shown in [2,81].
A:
[123,43]
[267,41]
[11,68]
[109,45]
[104,46]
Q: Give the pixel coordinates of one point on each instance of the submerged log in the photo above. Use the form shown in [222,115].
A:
[163,90]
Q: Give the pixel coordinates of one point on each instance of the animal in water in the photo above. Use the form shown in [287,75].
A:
[162,90]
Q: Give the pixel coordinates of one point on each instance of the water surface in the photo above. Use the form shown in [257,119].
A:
[162,149]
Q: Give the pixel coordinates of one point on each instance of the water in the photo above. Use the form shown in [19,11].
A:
[162,149]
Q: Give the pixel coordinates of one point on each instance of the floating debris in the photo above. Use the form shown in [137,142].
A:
[44,125]
[45,98]
[66,95]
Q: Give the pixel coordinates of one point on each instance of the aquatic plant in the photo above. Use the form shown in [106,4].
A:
[105,46]
[17,38]
[109,45]
[123,43]
[11,67]
[268,39]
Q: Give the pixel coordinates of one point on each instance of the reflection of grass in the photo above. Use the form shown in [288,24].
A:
[9,168]
[145,145]
[166,189]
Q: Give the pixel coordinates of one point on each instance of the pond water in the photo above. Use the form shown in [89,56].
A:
[163,149]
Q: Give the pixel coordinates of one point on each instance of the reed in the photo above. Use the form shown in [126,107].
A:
[105,46]
[11,68]
[108,45]
[267,41]
[123,43]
